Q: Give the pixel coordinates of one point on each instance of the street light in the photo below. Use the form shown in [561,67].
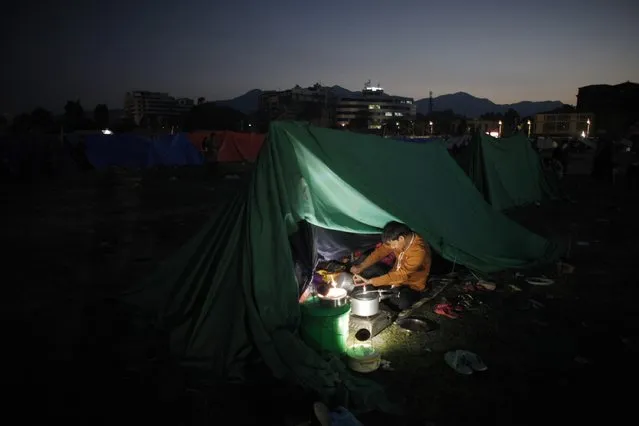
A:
[430,123]
[499,133]
[528,122]
[588,128]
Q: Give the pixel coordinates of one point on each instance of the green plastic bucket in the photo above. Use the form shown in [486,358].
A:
[325,329]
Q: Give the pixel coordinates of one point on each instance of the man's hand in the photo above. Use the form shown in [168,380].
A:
[358,280]
[356,270]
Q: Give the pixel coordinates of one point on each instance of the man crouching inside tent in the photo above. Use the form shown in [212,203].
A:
[410,271]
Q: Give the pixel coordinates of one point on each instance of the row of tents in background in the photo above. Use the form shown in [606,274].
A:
[31,157]
[507,171]
[36,155]
[182,149]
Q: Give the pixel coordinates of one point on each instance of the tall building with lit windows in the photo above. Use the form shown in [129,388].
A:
[375,107]
[144,106]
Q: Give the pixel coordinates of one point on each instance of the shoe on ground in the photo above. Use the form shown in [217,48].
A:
[458,362]
[474,361]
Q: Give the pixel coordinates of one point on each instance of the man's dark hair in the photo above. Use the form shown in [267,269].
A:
[393,230]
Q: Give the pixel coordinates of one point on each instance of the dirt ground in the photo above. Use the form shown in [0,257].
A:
[565,357]
[72,244]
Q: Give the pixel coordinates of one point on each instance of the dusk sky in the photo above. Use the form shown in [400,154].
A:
[506,51]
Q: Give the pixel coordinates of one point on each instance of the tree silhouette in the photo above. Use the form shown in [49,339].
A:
[443,121]
[511,116]
[73,115]
[462,127]
[511,120]
[101,116]
[21,123]
[42,120]
[420,128]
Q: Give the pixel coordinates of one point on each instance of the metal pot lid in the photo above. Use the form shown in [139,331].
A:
[373,295]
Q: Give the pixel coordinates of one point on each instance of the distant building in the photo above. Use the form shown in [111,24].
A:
[375,107]
[269,102]
[145,107]
[315,104]
[571,125]
[615,106]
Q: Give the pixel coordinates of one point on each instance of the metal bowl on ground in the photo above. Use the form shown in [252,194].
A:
[417,324]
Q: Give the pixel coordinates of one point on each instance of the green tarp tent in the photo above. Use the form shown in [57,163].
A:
[508,171]
[232,289]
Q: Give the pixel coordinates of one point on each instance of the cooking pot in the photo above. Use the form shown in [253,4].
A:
[366,303]
[335,298]
[363,303]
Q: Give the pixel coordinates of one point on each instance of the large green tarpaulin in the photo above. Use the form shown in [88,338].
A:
[507,171]
[232,288]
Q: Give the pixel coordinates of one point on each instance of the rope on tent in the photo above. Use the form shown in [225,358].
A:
[474,274]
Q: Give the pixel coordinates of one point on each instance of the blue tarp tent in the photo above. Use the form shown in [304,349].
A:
[174,150]
[133,151]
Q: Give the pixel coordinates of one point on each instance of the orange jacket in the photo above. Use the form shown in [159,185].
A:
[411,267]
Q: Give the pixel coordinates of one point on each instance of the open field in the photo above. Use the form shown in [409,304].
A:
[72,244]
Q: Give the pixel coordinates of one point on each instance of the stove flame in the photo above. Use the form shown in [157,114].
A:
[335,293]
